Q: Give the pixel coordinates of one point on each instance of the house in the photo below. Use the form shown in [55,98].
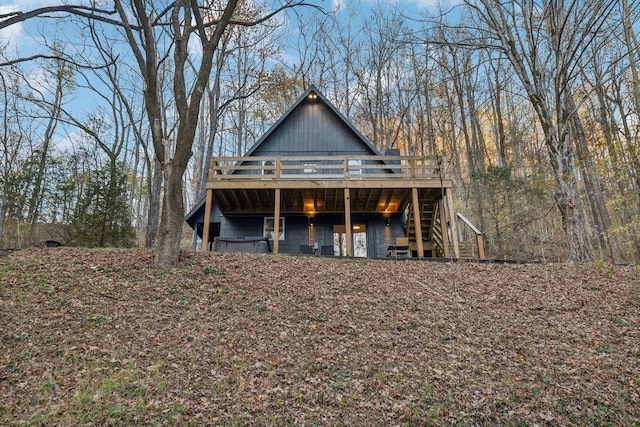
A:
[313,184]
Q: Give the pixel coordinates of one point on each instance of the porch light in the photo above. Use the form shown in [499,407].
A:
[313,95]
[356,227]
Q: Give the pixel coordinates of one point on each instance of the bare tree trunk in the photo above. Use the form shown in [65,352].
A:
[35,200]
[432,149]
[456,75]
[495,89]
[154,192]
[632,48]
[593,187]
[213,96]
[5,156]
[573,219]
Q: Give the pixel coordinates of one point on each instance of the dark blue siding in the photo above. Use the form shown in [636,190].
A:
[312,129]
[299,231]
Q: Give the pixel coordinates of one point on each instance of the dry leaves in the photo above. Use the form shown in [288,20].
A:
[100,337]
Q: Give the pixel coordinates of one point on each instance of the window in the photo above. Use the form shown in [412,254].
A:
[269,228]
[267,167]
[310,168]
[354,167]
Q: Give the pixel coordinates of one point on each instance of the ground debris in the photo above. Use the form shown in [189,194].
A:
[101,337]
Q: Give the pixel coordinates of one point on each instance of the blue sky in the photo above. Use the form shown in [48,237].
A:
[23,36]
[24,39]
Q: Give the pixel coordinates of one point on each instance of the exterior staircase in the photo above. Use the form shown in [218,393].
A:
[432,233]
[428,211]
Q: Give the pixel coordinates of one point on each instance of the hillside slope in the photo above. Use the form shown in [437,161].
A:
[100,337]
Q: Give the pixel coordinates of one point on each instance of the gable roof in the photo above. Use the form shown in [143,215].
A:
[198,210]
[306,97]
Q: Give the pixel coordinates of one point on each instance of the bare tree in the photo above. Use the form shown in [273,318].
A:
[47,93]
[185,21]
[546,42]
[158,34]
[9,148]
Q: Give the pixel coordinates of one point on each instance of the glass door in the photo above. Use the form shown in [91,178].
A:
[359,234]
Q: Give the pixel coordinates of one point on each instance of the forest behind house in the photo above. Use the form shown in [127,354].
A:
[535,105]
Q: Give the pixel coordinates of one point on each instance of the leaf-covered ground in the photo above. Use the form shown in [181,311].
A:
[100,337]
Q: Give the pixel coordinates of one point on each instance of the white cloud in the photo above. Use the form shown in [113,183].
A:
[38,81]
[338,4]
[14,37]
[10,35]
[67,143]
[420,4]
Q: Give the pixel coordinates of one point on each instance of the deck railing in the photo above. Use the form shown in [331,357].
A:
[325,167]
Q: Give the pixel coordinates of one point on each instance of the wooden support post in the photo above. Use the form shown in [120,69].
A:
[276,222]
[417,222]
[443,229]
[480,241]
[207,221]
[347,221]
[452,225]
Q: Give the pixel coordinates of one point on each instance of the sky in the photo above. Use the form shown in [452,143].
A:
[419,4]
[18,37]
[23,39]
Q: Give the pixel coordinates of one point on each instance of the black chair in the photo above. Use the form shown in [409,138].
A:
[306,250]
[327,250]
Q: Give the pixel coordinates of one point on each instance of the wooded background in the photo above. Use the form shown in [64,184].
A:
[535,103]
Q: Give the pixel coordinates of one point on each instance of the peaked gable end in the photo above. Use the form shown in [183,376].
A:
[312,127]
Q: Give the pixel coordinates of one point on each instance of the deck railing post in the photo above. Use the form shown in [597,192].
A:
[480,241]
[212,167]
[347,221]
[443,166]
[276,222]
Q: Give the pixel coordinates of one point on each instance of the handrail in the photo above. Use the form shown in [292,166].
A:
[325,167]
[478,233]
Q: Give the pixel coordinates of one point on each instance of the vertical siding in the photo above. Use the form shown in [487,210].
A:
[299,232]
[296,230]
[312,129]
[296,234]
[241,226]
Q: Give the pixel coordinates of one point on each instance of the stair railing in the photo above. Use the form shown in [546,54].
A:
[478,234]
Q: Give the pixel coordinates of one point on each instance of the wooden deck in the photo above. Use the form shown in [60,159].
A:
[328,184]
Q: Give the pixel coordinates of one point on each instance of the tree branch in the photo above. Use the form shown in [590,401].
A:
[8,19]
